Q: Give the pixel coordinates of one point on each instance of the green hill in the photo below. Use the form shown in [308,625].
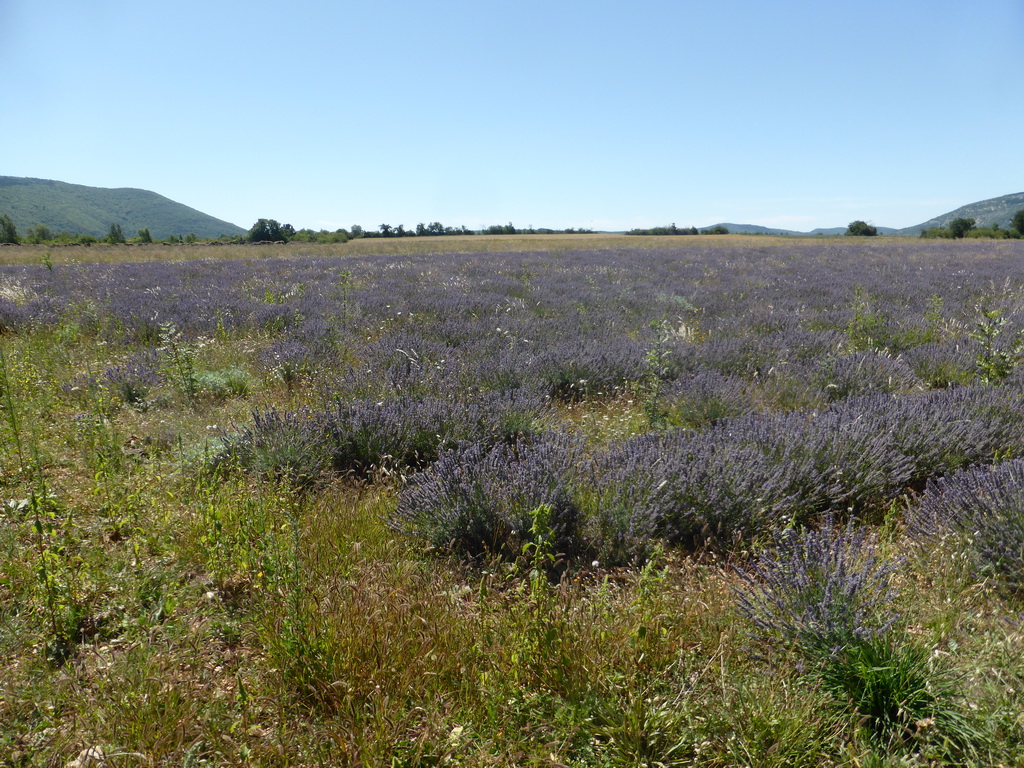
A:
[757,229]
[996,210]
[78,209]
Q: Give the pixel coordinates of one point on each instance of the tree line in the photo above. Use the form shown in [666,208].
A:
[270,231]
[672,229]
[43,235]
[968,227]
[957,229]
[436,228]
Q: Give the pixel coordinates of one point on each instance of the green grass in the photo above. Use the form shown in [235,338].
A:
[180,620]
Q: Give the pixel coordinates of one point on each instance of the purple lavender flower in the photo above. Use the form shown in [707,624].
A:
[820,590]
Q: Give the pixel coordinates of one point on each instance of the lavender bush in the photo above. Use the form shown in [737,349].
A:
[984,508]
[133,379]
[363,436]
[863,373]
[478,500]
[704,399]
[820,590]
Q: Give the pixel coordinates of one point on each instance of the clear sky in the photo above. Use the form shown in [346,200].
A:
[562,113]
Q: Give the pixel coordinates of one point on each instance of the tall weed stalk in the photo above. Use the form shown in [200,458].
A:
[179,361]
[10,412]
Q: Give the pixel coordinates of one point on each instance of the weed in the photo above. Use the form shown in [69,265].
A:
[868,328]
[228,382]
[179,361]
[645,728]
[10,412]
[56,569]
[994,362]
[890,685]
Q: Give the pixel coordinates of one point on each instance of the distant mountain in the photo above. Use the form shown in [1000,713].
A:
[753,229]
[78,209]
[997,210]
[757,229]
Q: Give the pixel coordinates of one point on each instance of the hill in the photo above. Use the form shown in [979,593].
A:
[78,209]
[996,210]
[753,229]
[757,229]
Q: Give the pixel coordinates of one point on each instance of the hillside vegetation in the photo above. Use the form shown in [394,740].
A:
[996,210]
[77,209]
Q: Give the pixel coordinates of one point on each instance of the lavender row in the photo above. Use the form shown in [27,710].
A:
[366,436]
[982,510]
[723,487]
[585,321]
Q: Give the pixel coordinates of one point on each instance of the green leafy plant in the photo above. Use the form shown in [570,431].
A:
[655,369]
[10,412]
[995,363]
[224,383]
[538,650]
[868,328]
[539,551]
[57,575]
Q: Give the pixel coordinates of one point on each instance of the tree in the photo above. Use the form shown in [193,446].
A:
[8,232]
[960,227]
[115,234]
[861,229]
[39,234]
[1017,222]
[268,230]
[144,236]
[499,229]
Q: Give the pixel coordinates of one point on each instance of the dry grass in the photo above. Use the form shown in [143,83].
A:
[103,253]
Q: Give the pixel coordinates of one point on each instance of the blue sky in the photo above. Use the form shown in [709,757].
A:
[608,115]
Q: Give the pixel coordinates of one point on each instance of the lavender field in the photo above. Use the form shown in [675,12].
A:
[759,502]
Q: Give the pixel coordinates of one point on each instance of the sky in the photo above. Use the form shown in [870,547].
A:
[563,113]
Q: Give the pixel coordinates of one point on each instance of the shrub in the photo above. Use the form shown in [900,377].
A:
[279,444]
[477,501]
[820,591]
[368,435]
[581,367]
[984,508]
[863,373]
[133,379]
[704,400]
[288,360]
[941,364]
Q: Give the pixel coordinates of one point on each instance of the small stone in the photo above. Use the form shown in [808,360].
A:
[91,757]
